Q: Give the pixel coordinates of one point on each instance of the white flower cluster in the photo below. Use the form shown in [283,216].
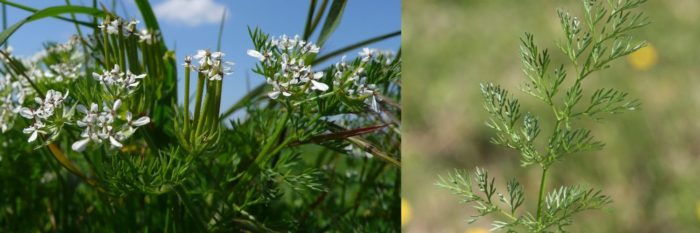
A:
[101,125]
[147,36]
[117,82]
[357,152]
[47,106]
[62,71]
[286,56]
[64,47]
[6,51]
[11,99]
[211,64]
[353,81]
[115,26]
[375,55]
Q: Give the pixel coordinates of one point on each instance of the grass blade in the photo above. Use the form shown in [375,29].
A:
[221,31]
[332,20]
[34,10]
[355,46]
[309,19]
[48,12]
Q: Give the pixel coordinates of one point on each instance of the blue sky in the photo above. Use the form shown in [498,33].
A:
[194,25]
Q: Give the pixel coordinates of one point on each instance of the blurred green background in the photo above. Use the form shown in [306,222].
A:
[650,165]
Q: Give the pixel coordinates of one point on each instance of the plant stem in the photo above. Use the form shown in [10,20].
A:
[541,196]
[198,99]
[187,100]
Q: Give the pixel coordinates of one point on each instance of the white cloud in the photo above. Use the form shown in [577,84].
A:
[189,12]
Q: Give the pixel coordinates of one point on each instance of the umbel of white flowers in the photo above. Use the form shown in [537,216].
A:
[11,100]
[52,101]
[352,79]
[113,27]
[293,75]
[118,83]
[211,64]
[13,92]
[101,125]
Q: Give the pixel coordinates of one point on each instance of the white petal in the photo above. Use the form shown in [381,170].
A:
[286,93]
[273,94]
[117,104]
[141,121]
[217,55]
[319,86]
[80,145]
[34,135]
[128,116]
[200,54]
[318,75]
[26,113]
[375,105]
[256,54]
[114,142]
[216,77]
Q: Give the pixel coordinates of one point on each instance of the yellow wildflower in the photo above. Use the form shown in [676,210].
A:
[405,212]
[476,230]
[644,58]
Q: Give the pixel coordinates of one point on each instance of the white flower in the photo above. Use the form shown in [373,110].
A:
[145,36]
[367,54]
[257,55]
[319,86]
[311,48]
[118,83]
[131,26]
[215,69]
[292,76]
[100,125]
[26,113]
[114,142]
[80,145]
[203,56]
[217,55]
[188,62]
[277,90]
[34,130]
[111,27]
[144,120]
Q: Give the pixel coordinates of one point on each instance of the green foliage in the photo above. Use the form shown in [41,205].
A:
[106,147]
[590,45]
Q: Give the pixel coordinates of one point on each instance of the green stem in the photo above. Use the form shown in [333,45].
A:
[203,116]
[321,96]
[187,100]
[278,130]
[540,199]
[198,98]
[105,45]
